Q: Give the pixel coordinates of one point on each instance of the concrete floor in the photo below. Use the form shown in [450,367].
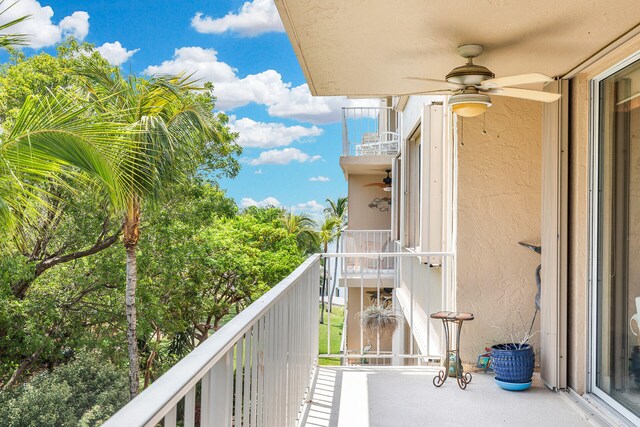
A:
[397,397]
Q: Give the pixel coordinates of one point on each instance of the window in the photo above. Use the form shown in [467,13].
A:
[618,239]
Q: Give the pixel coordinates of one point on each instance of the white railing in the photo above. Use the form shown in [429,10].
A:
[255,370]
[370,131]
[415,290]
[367,241]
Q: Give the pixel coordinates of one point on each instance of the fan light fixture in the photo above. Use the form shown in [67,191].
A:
[469,104]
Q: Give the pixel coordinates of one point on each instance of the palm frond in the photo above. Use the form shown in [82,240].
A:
[12,39]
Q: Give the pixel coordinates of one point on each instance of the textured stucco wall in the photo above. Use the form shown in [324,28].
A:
[499,167]
[361,216]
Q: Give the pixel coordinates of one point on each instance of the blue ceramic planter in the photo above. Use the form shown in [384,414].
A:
[513,363]
[513,386]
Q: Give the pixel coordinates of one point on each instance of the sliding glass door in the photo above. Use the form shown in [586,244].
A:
[617,299]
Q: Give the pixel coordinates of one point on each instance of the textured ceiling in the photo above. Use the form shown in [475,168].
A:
[358,47]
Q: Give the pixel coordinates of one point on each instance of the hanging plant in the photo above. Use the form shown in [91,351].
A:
[378,318]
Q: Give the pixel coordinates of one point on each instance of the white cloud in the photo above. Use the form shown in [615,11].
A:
[268,201]
[311,206]
[282,99]
[253,18]
[76,25]
[258,172]
[319,178]
[39,28]
[269,135]
[115,53]
[267,88]
[202,63]
[283,157]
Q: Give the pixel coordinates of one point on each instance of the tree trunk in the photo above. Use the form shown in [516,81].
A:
[150,360]
[335,274]
[21,368]
[130,238]
[132,340]
[324,281]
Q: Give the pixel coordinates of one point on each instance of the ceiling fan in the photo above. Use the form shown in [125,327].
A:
[471,84]
[385,184]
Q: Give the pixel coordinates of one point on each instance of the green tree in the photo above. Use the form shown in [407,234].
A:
[84,392]
[338,210]
[52,235]
[303,227]
[173,127]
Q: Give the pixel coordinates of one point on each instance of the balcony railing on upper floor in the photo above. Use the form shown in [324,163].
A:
[370,131]
[367,241]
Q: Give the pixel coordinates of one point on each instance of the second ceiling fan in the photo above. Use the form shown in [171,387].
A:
[385,184]
[471,84]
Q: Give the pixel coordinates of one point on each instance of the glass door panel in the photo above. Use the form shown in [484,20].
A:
[618,246]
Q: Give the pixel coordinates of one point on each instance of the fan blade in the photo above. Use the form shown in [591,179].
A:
[521,79]
[425,79]
[429,92]
[442,82]
[376,184]
[533,95]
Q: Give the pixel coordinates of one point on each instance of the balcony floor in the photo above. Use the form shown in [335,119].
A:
[396,397]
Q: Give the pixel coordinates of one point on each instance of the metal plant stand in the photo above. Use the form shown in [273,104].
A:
[449,319]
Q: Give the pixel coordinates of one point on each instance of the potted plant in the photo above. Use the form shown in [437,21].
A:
[514,362]
[379,318]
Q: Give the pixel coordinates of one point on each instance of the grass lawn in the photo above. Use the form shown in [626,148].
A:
[337,318]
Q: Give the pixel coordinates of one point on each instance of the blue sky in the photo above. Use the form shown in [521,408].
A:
[292,141]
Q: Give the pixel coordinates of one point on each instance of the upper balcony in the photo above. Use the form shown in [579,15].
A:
[367,243]
[370,137]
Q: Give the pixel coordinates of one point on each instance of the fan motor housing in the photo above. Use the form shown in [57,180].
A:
[469,74]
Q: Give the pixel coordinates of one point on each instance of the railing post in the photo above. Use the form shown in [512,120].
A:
[345,134]
[190,408]
[221,391]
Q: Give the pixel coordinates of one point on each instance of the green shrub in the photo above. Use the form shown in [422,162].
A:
[85,391]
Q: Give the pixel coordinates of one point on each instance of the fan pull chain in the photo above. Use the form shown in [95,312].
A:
[484,124]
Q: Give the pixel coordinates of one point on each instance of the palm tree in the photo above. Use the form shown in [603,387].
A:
[172,127]
[303,227]
[55,139]
[327,234]
[338,210]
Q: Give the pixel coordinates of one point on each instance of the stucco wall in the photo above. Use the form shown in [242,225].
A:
[499,167]
[361,216]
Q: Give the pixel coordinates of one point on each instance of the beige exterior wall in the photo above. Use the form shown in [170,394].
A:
[361,216]
[499,195]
